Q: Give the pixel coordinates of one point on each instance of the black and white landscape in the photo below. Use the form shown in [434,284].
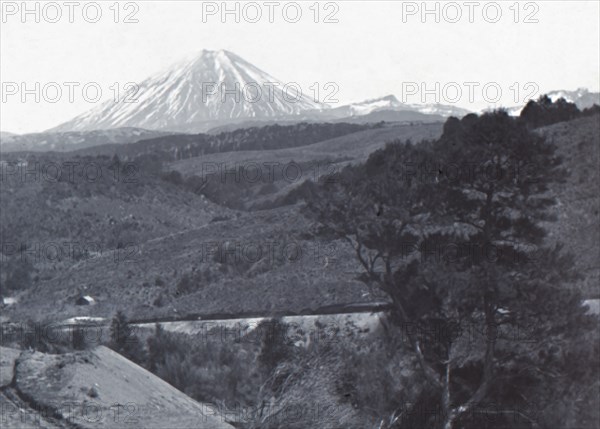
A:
[366,215]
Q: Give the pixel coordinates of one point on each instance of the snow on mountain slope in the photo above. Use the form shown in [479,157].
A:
[211,86]
[6,136]
[390,102]
[582,98]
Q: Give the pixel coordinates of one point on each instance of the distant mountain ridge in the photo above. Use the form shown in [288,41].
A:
[215,91]
[219,88]
[390,102]
[581,97]
[75,140]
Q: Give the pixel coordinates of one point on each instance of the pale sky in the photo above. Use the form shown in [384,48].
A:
[369,53]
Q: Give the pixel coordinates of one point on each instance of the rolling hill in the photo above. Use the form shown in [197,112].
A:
[169,224]
[175,273]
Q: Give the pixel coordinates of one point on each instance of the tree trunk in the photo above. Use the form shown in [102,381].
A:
[449,421]
[447,410]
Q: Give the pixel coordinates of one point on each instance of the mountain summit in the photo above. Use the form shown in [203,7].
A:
[211,87]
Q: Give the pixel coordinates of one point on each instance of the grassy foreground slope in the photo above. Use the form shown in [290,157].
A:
[100,388]
[578,224]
